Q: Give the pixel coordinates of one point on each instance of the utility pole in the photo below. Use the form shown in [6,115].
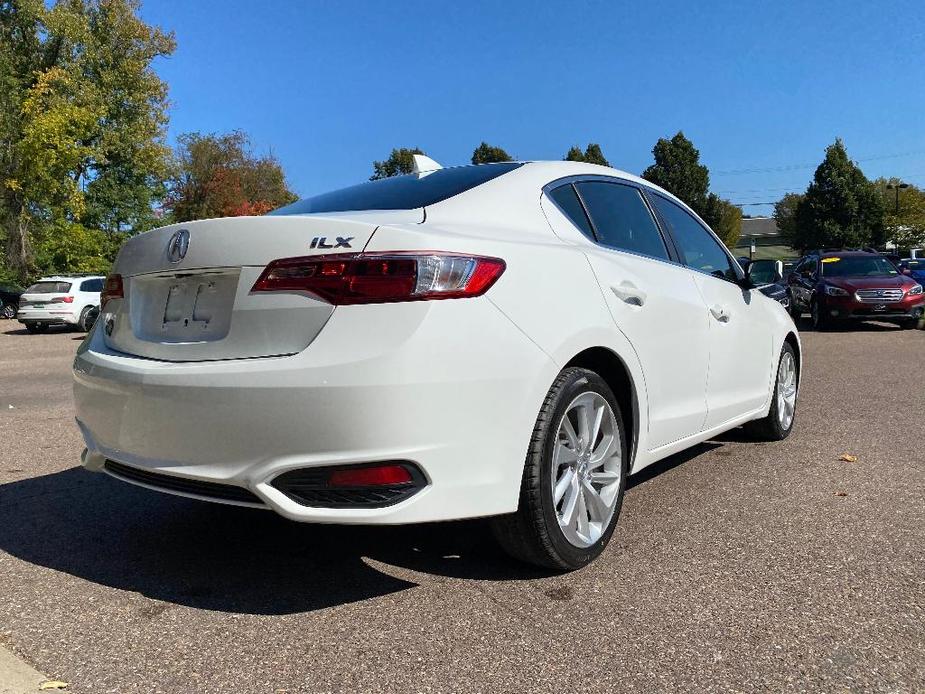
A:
[896,187]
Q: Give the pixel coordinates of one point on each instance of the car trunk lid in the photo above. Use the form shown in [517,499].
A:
[200,306]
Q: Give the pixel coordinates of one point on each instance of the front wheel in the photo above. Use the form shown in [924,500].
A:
[7,311]
[574,476]
[816,313]
[779,422]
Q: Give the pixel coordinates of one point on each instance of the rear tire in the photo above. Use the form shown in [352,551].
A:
[7,311]
[819,320]
[779,422]
[908,324]
[87,318]
[36,327]
[568,461]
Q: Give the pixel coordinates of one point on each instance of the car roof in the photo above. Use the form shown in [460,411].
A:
[69,278]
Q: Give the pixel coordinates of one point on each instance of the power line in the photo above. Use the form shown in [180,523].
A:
[795,167]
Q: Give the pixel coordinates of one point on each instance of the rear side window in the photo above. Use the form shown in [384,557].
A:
[49,288]
[91,285]
[567,200]
[401,192]
[621,218]
[699,250]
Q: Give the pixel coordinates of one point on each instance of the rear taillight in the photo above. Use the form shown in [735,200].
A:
[62,300]
[112,289]
[368,278]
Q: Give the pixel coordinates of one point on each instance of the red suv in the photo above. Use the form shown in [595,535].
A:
[853,285]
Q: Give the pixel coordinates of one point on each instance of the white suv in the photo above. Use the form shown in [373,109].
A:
[61,300]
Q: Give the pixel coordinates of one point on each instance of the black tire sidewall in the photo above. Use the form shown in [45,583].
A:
[568,554]
[773,418]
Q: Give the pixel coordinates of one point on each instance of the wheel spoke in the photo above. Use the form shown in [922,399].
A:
[583,528]
[596,427]
[605,477]
[570,431]
[585,423]
[571,506]
[598,509]
[564,455]
[566,481]
[604,451]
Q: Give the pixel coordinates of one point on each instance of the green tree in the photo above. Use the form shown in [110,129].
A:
[841,207]
[591,155]
[785,215]
[218,176]
[488,154]
[724,218]
[82,125]
[904,218]
[678,170]
[400,161]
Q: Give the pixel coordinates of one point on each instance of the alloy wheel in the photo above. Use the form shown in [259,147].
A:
[8,311]
[786,390]
[586,469]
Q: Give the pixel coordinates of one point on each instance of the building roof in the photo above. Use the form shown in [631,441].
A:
[760,226]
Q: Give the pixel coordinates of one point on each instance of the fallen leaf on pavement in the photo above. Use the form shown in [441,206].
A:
[848,458]
[841,493]
[53,684]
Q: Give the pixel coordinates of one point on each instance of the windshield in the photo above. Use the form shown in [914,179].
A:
[400,192]
[763,271]
[858,266]
[49,288]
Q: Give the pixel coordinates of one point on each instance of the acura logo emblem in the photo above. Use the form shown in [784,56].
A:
[177,246]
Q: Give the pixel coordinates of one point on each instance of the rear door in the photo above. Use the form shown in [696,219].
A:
[653,300]
[739,330]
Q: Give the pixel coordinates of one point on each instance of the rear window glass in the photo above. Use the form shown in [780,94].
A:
[91,285]
[49,288]
[400,192]
[567,200]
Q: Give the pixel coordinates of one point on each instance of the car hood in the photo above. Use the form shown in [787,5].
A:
[854,283]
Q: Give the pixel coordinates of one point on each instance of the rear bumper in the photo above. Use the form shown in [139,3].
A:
[392,382]
[56,317]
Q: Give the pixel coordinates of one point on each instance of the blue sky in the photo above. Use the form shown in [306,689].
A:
[329,86]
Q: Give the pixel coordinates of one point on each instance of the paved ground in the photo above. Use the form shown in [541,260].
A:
[736,567]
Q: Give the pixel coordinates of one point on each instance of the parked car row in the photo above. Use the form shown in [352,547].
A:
[57,300]
[844,286]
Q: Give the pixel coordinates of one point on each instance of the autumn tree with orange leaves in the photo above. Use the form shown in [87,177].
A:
[219,176]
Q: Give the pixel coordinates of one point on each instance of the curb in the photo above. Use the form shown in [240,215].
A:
[17,676]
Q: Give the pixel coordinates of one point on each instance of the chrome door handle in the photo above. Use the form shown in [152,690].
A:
[719,313]
[629,294]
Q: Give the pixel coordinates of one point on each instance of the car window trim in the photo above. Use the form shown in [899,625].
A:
[673,256]
[734,264]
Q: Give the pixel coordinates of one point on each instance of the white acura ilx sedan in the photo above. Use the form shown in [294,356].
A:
[509,340]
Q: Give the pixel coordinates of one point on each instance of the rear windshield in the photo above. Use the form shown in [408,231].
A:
[400,192]
[858,266]
[49,288]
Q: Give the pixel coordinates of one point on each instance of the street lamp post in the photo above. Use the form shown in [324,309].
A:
[896,187]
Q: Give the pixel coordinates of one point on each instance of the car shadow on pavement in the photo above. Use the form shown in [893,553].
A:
[239,560]
[225,558]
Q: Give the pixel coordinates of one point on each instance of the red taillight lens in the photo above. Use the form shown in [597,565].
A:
[366,278]
[375,476]
[112,289]
[62,300]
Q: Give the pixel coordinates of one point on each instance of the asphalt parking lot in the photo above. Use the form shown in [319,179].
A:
[736,566]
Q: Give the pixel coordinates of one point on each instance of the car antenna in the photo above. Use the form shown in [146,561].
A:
[424,164]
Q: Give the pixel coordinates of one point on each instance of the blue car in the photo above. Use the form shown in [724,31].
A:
[914,268]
